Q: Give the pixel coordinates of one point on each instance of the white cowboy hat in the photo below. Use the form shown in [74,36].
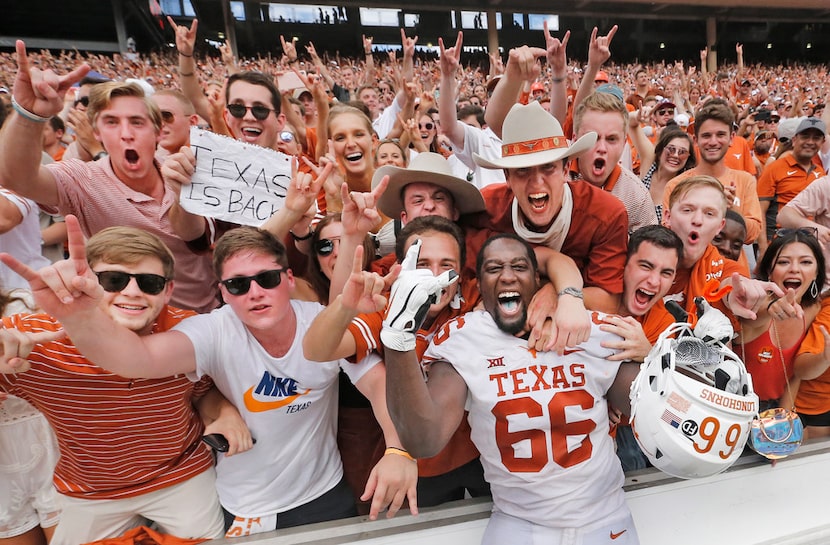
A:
[532,136]
[429,168]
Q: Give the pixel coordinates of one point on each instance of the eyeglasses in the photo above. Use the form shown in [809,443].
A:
[240,285]
[167,117]
[115,281]
[665,111]
[83,100]
[239,110]
[426,126]
[679,152]
[325,246]
[806,231]
[287,136]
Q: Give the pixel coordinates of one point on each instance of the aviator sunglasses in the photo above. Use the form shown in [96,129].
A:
[325,246]
[259,112]
[240,285]
[115,281]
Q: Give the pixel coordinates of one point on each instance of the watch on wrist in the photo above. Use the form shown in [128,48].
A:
[301,238]
[573,292]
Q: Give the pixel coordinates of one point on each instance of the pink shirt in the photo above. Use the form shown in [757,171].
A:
[92,192]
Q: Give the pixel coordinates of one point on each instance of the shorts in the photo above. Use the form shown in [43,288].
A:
[504,528]
[28,455]
[819,420]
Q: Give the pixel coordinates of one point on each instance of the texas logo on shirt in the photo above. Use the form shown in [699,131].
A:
[272,393]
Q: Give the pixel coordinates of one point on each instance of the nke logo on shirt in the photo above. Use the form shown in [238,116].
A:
[272,393]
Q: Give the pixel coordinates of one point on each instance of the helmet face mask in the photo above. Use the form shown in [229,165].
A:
[691,405]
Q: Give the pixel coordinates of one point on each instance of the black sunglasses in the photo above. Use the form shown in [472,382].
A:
[239,110]
[240,285]
[83,100]
[324,246]
[115,281]
[427,126]
[167,117]
[806,231]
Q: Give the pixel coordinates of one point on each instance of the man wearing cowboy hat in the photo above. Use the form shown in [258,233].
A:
[426,188]
[583,222]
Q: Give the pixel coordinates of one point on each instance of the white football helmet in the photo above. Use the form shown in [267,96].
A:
[691,405]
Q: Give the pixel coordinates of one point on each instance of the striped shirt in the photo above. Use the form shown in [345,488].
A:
[118,437]
[94,194]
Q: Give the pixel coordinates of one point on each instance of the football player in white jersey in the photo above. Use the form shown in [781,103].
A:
[540,420]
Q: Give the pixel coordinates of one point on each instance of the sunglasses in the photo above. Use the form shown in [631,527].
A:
[287,137]
[259,112]
[664,112]
[806,231]
[83,100]
[115,281]
[325,246]
[671,150]
[167,117]
[241,284]
[427,126]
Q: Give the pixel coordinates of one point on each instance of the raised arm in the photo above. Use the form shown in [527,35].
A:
[37,95]
[299,200]
[522,66]
[359,217]
[558,61]
[188,78]
[447,113]
[69,291]
[177,170]
[599,51]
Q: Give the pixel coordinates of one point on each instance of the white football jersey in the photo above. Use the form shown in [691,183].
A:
[540,420]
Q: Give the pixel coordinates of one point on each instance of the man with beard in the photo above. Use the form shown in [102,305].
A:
[480,362]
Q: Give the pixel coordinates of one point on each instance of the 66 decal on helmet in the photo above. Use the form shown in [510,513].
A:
[692,403]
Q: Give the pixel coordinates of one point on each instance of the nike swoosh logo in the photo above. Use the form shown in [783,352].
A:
[257,406]
[791,173]
[618,534]
[568,352]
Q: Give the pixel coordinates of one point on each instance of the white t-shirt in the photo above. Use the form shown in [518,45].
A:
[288,403]
[485,143]
[516,398]
[22,242]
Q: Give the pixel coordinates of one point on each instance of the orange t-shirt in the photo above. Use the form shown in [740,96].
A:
[366,332]
[814,395]
[784,178]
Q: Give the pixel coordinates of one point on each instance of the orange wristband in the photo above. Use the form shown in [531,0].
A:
[399,452]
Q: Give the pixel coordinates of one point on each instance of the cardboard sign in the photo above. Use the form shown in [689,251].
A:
[234,181]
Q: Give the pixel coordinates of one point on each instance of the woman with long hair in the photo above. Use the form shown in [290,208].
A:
[674,154]
[768,344]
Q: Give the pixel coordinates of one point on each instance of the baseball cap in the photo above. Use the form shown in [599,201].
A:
[808,123]
[682,120]
[786,129]
[300,91]
[611,90]
[665,103]
[601,76]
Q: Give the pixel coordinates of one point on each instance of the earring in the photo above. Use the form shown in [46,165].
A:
[814,290]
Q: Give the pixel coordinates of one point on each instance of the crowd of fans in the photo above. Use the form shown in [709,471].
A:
[386,151]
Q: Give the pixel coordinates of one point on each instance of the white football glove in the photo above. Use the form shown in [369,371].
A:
[412,294]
